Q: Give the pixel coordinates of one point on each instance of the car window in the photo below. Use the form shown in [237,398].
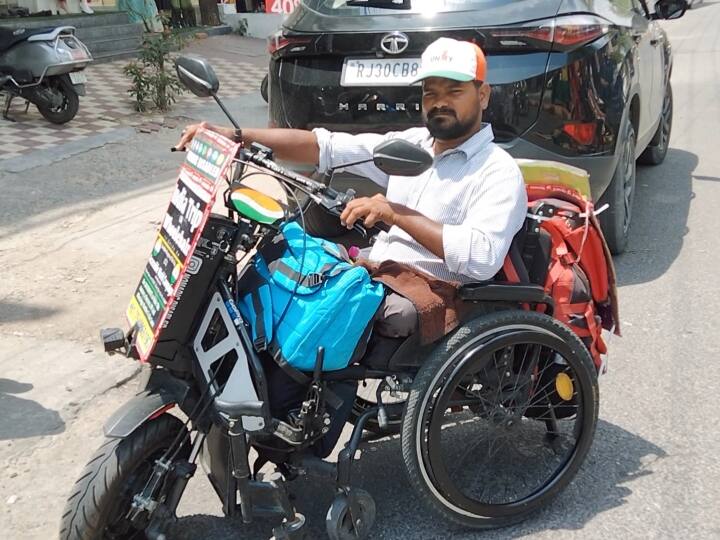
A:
[427,7]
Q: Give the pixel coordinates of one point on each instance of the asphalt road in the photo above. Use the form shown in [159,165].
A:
[73,238]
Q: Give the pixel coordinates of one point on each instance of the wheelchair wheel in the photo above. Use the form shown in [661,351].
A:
[341,524]
[500,418]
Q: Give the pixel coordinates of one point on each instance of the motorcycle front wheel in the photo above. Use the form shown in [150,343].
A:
[101,497]
[70,101]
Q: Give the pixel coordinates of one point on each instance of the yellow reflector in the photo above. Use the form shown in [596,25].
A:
[564,386]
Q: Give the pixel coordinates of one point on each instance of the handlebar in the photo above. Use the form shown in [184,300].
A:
[331,200]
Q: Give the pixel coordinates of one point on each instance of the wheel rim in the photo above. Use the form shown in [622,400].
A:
[500,459]
[628,181]
[119,528]
[60,108]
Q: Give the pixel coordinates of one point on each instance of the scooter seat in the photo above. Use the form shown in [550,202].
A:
[11,36]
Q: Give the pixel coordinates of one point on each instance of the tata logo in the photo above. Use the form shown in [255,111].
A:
[394,43]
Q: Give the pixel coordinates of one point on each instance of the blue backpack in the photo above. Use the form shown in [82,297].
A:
[301,294]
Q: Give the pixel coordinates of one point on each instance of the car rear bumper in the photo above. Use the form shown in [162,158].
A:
[600,167]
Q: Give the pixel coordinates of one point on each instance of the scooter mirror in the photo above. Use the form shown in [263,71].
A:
[398,157]
[197,75]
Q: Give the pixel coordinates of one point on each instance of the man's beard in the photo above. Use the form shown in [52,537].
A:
[447,127]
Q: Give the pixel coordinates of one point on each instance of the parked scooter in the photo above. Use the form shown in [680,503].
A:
[44,67]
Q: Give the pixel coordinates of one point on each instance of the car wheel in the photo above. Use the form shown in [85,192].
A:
[656,151]
[620,194]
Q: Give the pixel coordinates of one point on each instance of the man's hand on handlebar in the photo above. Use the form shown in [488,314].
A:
[191,130]
[370,210]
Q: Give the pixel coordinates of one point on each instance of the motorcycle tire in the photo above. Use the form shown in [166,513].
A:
[101,497]
[71,102]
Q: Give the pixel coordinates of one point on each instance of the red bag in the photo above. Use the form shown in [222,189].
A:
[580,275]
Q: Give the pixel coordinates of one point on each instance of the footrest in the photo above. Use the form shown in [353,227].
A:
[113,339]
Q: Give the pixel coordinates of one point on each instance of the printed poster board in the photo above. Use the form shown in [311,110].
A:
[208,157]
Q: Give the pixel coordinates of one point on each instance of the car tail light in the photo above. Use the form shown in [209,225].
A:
[581,132]
[280,42]
[562,33]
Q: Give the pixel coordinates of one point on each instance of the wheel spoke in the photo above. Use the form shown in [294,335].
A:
[499,455]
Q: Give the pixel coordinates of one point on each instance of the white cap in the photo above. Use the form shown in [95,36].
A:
[452,59]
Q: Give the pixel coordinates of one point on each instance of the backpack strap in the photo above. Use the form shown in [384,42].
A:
[299,377]
[252,281]
[313,279]
[260,342]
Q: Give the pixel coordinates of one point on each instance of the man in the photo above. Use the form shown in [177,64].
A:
[457,220]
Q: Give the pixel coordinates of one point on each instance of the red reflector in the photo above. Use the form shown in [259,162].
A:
[582,132]
[160,411]
[279,42]
[568,35]
[564,32]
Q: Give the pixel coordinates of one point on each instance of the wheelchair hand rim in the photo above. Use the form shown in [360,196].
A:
[434,471]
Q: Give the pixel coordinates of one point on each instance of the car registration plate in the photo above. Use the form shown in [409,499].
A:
[379,71]
[78,77]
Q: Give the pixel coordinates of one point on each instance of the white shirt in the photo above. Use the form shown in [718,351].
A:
[475,190]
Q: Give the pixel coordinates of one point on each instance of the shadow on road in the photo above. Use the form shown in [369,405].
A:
[15,312]
[22,418]
[618,457]
[659,222]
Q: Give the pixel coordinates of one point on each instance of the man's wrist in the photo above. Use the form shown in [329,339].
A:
[395,216]
[237,135]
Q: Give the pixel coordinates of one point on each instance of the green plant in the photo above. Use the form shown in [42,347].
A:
[154,83]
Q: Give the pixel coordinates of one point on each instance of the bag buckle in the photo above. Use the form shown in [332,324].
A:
[314,279]
[260,344]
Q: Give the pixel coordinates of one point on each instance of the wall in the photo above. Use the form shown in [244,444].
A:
[259,25]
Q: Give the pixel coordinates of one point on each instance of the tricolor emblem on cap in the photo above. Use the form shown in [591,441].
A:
[452,59]
[256,206]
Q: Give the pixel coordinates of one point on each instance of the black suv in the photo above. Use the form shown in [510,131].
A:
[585,82]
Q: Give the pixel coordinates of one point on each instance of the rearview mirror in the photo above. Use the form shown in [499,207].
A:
[397,157]
[670,9]
[197,75]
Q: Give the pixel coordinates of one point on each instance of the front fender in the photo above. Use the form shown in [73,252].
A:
[162,392]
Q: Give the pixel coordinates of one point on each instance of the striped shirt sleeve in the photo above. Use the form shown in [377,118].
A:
[477,247]
[338,148]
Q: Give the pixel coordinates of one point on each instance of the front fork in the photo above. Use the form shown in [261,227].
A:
[158,502]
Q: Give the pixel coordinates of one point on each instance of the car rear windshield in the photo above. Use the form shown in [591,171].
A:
[349,8]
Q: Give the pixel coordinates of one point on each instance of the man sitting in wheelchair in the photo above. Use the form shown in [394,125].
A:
[456,221]
[533,356]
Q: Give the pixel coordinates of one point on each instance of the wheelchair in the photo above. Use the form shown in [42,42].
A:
[495,419]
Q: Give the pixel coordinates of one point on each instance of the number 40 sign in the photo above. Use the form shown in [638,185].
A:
[280,6]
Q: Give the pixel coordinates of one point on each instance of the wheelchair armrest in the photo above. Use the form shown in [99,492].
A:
[493,291]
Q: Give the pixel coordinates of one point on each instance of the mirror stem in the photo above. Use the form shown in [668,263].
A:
[227,113]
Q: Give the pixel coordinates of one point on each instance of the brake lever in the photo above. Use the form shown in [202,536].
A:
[371,231]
